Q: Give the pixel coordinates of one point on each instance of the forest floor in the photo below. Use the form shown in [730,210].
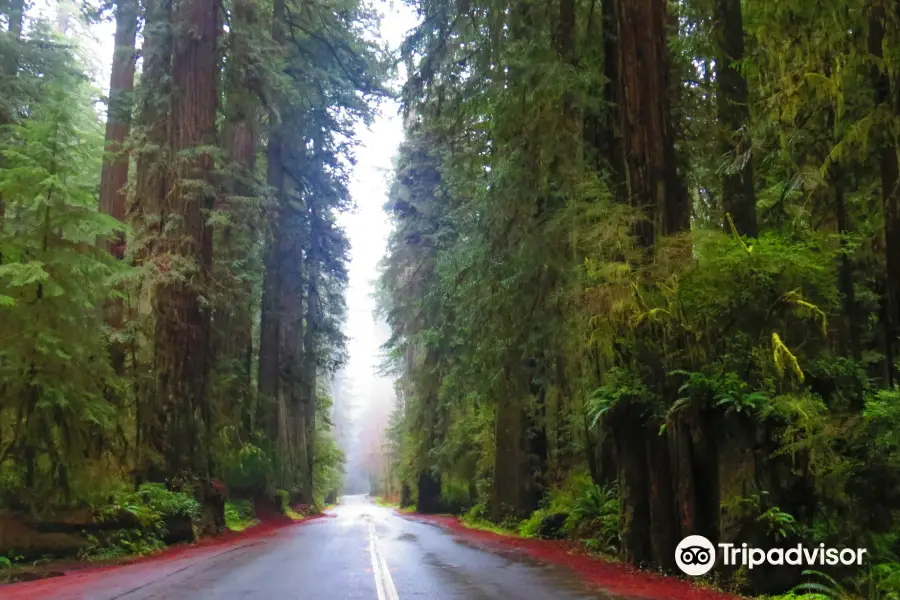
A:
[267,522]
[614,577]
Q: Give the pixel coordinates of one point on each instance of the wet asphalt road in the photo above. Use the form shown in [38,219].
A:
[363,552]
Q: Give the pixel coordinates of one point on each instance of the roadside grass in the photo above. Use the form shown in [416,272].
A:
[292,514]
[390,503]
[484,525]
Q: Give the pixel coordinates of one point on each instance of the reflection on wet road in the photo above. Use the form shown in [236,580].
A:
[363,552]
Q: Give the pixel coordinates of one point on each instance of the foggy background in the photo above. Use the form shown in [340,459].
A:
[363,399]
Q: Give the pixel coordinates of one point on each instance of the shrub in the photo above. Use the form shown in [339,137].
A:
[143,514]
[239,515]
[246,469]
[454,498]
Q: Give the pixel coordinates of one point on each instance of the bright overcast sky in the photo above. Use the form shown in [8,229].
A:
[368,227]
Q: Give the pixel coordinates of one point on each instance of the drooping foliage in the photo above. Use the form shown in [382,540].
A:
[651,241]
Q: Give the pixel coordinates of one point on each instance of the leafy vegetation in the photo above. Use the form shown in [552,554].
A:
[653,242]
[239,515]
[172,287]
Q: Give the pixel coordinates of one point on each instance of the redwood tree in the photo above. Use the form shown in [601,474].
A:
[182,319]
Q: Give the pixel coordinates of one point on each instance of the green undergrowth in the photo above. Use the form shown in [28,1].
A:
[578,510]
[144,514]
[881,582]
[239,515]
[388,503]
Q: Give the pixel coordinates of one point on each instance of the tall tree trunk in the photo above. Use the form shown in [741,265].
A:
[850,326]
[114,174]
[270,326]
[15,15]
[234,332]
[182,327]
[653,186]
[733,107]
[292,387]
[509,457]
[890,193]
[428,480]
[151,185]
[310,342]
[609,135]
[645,120]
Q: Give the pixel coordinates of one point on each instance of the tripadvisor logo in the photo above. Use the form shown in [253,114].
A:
[696,555]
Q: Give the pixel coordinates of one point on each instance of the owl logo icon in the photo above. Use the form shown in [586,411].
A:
[695,555]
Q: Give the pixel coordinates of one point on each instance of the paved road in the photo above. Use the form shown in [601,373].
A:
[363,552]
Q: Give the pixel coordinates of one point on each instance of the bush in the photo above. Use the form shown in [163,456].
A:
[168,503]
[143,515]
[545,524]
[246,469]
[454,498]
[580,509]
[239,515]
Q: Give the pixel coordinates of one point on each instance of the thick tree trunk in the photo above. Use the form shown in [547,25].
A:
[634,484]
[665,532]
[151,187]
[310,343]
[291,426]
[645,120]
[608,137]
[114,175]
[234,348]
[429,492]
[649,525]
[183,323]
[733,107]
[886,94]
[270,326]
[509,460]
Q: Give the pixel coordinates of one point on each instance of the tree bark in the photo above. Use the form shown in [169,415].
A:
[270,327]
[890,193]
[644,117]
[733,107]
[150,189]
[183,323]
[114,175]
[310,342]
[234,333]
[609,135]
[654,187]
[634,485]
